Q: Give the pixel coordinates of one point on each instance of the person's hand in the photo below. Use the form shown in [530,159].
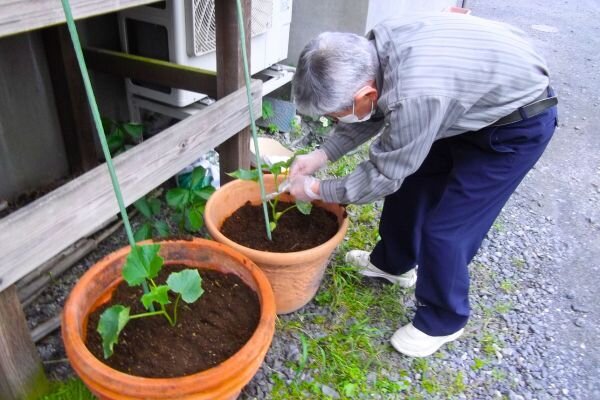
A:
[308,164]
[305,188]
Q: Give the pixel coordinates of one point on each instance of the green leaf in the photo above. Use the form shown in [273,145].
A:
[111,323]
[143,262]
[205,192]
[194,219]
[143,206]
[272,225]
[144,233]
[115,142]
[154,206]
[187,283]
[162,228]
[199,206]
[245,174]
[198,175]
[279,167]
[304,207]
[179,219]
[107,125]
[133,130]
[267,109]
[207,180]
[350,389]
[159,294]
[178,198]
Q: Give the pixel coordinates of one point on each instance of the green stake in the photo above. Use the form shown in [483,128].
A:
[98,123]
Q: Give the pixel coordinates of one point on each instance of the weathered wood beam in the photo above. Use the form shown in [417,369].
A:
[21,372]
[26,15]
[42,229]
[152,70]
[72,107]
[235,152]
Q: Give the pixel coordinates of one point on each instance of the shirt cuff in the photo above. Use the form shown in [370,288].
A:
[330,189]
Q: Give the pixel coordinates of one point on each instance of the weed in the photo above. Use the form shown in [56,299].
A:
[489,344]
[478,364]
[507,286]
[518,262]
[121,136]
[503,307]
[498,375]
[498,226]
[267,110]
[72,389]
[189,200]
[149,208]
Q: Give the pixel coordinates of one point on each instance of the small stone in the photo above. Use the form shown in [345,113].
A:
[580,308]
[577,128]
[570,295]
[513,396]
[328,391]
[371,377]
[580,322]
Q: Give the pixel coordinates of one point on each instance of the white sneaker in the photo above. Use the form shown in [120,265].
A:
[412,342]
[360,259]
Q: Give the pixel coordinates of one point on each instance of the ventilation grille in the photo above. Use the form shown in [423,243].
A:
[204,22]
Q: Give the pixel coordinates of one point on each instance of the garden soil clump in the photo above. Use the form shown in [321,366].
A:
[295,231]
[207,332]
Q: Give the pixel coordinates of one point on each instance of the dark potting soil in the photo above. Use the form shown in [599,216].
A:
[295,231]
[208,331]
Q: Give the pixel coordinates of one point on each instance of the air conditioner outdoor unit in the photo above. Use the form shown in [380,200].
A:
[183,32]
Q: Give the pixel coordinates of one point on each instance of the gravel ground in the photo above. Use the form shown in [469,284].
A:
[535,330]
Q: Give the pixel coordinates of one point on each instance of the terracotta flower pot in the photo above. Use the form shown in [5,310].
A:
[296,276]
[225,381]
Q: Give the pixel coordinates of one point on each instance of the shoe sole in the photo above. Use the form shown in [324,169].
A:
[410,353]
[403,282]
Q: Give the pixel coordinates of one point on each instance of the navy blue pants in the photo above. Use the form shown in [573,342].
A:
[441,213]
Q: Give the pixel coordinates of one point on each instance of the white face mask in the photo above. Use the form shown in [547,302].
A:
[352,118]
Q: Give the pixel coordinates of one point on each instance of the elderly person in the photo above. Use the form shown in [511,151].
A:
[462,109]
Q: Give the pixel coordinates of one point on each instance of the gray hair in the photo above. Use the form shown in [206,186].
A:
[331,68]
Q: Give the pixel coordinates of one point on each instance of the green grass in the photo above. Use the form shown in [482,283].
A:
[518,262]
[508,286]
[498,226]
[72,389]
[351,352]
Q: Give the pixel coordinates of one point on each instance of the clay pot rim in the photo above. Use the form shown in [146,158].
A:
[114,379]
[266,256]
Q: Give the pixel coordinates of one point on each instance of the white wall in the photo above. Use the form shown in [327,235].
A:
[311,17]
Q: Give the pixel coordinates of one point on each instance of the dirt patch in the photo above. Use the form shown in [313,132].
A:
[295,231]
[207,332]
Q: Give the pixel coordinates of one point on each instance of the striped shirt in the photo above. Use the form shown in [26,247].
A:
[440,75]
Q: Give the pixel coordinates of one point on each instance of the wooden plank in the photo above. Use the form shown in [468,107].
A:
[71,102]
[24,15]
[45,328]
[21,372]
[152,70]
[45,227]
[235,152]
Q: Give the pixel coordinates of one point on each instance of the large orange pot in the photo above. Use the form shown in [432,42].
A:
[296,276]
[225,381]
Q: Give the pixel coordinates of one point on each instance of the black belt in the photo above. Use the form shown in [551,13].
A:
[539,105]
